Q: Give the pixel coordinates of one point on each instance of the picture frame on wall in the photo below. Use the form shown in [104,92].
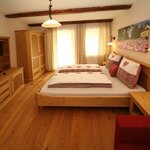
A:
[135,37]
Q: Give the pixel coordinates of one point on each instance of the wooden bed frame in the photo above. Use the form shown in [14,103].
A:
[95,101]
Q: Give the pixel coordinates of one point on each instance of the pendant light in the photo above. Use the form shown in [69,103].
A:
[51,23]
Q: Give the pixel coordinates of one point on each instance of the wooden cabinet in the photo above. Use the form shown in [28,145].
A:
[11,81]
[141,100]
[30,53]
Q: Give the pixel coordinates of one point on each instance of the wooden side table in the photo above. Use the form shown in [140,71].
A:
[103,62]
[141,100]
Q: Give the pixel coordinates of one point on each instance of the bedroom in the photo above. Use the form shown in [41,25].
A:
[20,121]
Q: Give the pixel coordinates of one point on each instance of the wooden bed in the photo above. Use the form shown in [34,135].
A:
[95,101]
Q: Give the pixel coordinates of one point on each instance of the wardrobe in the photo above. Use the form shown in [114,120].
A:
[30,53]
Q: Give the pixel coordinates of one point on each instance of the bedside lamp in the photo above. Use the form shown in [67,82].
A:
[110,42]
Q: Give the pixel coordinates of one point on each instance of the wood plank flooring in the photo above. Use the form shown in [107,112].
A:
[23,127]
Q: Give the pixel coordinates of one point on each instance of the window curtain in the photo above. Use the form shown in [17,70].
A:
[104,37]
[80,44]
[65,45]
[92,43]
[97,37]
[68,44]
[50,46]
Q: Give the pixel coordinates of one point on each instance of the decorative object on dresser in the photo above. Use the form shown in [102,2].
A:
[11,81]
[4,54]
[30,53]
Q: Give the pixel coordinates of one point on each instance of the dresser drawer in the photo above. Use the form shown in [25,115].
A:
[5,91]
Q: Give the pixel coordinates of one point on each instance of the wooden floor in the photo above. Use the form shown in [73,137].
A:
[22,127]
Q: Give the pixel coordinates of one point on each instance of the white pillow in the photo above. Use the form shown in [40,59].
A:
[129,66]
[114,57]
[128,72]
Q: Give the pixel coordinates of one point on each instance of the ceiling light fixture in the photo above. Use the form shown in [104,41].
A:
[50,23]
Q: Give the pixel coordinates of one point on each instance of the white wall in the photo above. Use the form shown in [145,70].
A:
[140,11]
[7,28]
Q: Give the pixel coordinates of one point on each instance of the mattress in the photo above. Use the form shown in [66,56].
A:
[118,89]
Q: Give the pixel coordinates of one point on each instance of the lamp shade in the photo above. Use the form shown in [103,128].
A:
[51,24]
[110,43]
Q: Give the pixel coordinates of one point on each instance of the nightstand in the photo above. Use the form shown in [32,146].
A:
[103,62]
[141,100]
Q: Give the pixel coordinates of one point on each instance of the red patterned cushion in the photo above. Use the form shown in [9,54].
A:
[132,133]
[128,72]
[113,59]
[113,70]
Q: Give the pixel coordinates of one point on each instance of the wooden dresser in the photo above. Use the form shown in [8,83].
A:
[30,53]
[11,81]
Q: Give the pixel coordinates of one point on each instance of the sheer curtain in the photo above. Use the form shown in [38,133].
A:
[92,43]
[97,36]
[64,53]
[80,44]
[104,37]
[49,49]
[76,44]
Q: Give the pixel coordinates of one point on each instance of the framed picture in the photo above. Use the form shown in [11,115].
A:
[135,37]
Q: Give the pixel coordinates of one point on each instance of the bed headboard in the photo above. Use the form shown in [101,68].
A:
[144,79]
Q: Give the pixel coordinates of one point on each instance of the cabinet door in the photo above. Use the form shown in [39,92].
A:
[42,63]
[34,45]
[35,54]
[38,54]
[42,53]
[17,81]
[41,44]
[36,67]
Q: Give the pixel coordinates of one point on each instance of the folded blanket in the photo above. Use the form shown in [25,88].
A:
[80,68]
[80,80]
[79,85]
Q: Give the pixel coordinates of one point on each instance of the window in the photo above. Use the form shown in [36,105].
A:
[92,40]
[65,46]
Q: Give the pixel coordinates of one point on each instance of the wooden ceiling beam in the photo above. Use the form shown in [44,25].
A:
[69,11]
[74,22]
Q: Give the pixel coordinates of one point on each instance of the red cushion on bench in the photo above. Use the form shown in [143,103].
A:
[132,131]
[134,146]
